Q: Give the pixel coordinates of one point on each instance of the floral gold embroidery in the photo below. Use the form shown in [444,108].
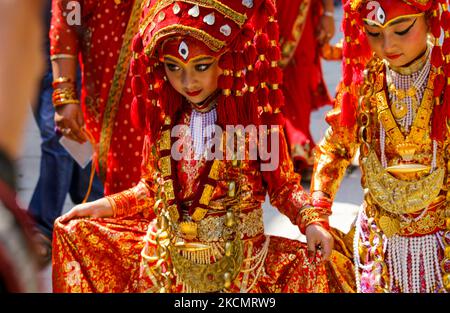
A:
[214,173]
[207,194]
[165,166]
[168,190]
[164,142]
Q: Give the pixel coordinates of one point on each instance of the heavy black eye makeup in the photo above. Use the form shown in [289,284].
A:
[172,66]
[371,34]
[203,67]
[404,32]
[400,33]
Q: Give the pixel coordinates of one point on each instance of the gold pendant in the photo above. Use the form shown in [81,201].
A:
[189,230]
[399,109]
[389,226]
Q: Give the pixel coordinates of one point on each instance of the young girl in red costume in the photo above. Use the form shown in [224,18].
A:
[198,64]
[394,106]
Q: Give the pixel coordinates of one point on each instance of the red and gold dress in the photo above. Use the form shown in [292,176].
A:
[100,33]
[400,234]
[224,245]
[304,86]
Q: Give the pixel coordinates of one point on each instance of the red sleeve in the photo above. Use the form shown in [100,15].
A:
[67,24]
[284,188]
[140,198]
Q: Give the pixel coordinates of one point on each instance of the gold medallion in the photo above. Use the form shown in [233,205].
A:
[399,109]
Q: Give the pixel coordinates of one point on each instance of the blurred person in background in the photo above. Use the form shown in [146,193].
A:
[20,67]
[59,173]
[305,33]
[96,34]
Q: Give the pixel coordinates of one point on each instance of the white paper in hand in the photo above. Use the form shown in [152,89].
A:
[80,152]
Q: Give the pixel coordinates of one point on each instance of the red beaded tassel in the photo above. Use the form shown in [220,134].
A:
[275,79]
[262,69]
[226,105]
[445,21]
[238,87]
[437,61]
[353,51]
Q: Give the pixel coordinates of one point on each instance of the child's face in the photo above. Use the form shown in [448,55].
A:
[197,79]
[401,41]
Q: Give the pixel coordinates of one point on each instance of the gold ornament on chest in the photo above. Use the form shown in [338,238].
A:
[406,145]
[399,107]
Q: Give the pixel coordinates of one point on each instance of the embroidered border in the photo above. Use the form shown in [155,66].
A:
[228,12]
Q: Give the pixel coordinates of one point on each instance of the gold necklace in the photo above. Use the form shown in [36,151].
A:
[406,145]
[399,107]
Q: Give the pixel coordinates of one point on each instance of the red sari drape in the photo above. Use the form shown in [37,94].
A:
[303,86]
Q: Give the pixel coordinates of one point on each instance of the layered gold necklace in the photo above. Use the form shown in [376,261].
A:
[399,106]
[406,145]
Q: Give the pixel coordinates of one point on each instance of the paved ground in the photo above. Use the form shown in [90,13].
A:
[344,210]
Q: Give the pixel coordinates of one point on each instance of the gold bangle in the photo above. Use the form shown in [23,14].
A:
[62,56]
[113,205]
[63,96]
[62,80]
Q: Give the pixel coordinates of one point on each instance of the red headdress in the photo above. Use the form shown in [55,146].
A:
[245,35]
[382,13]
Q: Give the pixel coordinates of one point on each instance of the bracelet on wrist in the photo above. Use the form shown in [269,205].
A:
[308,216]
[322,205]
[63,96]
[62,80]
[322,223]
[328,13]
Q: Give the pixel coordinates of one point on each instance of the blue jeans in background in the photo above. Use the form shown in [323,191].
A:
[59,174]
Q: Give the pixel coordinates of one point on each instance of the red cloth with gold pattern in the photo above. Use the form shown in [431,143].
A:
[104,255]
[99,41]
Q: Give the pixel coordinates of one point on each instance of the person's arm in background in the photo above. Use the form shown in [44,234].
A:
[326,27]
[21,66]
[64,43]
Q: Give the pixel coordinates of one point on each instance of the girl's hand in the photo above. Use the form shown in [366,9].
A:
[319,240]
[97,208]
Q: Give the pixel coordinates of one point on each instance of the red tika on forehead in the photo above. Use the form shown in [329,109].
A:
[185,49]
[383,11]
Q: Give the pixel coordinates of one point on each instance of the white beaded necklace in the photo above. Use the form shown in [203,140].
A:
[202,127]
[405,258]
